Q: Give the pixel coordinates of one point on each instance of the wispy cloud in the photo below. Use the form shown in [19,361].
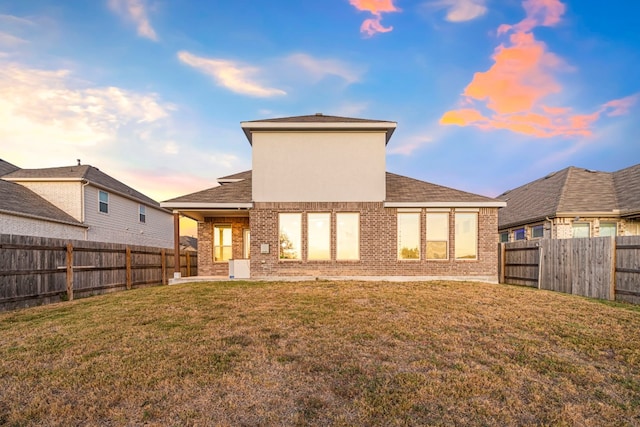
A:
[373,25]
[513,93]
[136,12]
[231,75]
[460,10]
[317,68]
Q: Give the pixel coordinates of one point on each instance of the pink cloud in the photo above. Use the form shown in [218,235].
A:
[512,94]
[373,25]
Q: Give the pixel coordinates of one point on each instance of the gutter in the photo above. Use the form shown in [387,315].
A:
[496,204]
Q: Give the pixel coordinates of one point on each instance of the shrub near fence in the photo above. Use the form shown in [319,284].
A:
[38,270]
[597,267]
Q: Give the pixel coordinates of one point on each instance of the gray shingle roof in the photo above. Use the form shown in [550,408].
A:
[399,189]
[6,167]
[318,118]
[571,190]
[87,172]
[404,189]
[16,199]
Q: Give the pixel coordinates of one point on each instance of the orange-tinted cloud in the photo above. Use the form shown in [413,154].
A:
[512,94]
[373,25]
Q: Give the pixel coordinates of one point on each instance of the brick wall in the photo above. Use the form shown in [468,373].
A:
[378,251]
[206,265]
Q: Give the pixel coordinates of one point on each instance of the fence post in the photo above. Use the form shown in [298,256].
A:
[540,270]
[614,254]
[503,261]
[188,262]
[128,261]
[70,271]
[163,263]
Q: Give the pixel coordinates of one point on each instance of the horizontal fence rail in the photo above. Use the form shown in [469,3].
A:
[598,267]
[38,270]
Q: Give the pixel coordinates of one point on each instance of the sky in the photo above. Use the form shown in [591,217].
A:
[487,94]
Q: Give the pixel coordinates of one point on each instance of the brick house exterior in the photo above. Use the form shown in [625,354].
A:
[573,202]
[322,180]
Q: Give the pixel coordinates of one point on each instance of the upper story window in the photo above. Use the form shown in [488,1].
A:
[104,201]
[466,242]
[290,232]
[437,235]
[408,235]
[319,236]
[142,213]
[347,236]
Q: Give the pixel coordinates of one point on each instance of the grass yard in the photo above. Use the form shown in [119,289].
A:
[322,353]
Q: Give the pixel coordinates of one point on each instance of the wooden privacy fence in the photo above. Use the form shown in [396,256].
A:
[598,267]
[38,270]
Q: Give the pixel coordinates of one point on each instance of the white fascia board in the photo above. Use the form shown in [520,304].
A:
[445,204]
[200,205]
[42,179]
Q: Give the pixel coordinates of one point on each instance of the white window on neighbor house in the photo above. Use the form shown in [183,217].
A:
[519,234]
[608,229]
[222,247]
[103,198]
[437,235]
[246,243]
[290,236]
[537,231]
[319,236]
[409,235]
[466,237]
[504,237]
[347,236]
[580,229]
[142,213]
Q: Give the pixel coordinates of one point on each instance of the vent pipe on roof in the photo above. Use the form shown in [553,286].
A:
[78,162]
[318,114]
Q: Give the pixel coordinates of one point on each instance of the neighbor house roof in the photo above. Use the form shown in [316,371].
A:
[316,122]
[18,200]
[401,191]
[572,191]
[86,173]
[6,167]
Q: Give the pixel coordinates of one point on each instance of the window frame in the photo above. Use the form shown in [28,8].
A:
[515,234]
[102,203]
[327,237]
[476,235]
[608,223]
[578,225]
[503,234]
[427,240]
[213,242]
[537,227]
[142,214]
[416,214]
[339,234]
[299,257]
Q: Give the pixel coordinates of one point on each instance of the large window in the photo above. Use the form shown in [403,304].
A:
[319,236]
[222,250]
[348,236]
[580,229]
[608,229]
[103,197]
[408,235]
[466,242]
[290,232]
[437,235]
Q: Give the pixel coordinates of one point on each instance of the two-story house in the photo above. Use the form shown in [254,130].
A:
[80,202]
[318,202]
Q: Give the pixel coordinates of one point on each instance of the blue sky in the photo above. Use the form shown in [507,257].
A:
[488,94]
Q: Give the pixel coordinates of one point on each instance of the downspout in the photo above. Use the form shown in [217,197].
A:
[551,228]
[82,209]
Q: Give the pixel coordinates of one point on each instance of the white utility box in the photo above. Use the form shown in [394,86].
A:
[239,269]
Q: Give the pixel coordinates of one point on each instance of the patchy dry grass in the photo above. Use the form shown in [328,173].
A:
[322,353]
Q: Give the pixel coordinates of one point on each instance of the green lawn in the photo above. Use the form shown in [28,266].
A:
[322,353]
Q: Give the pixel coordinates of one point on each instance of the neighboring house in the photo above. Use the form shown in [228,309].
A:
[573,202]
[318,202]
[188,243]
[24,212]
[84,203]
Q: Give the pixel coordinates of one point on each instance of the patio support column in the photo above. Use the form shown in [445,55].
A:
[176,245]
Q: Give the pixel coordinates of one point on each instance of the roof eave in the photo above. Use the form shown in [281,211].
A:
[203,205]
[487,204]
[249,127]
